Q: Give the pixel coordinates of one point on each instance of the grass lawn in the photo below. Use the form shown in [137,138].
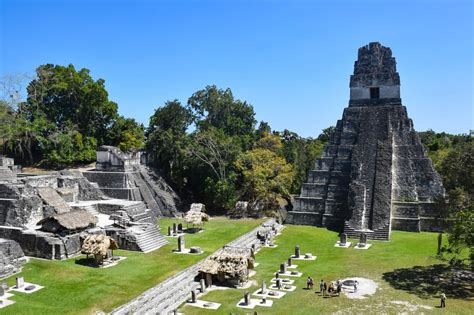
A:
[389,264]
[71,288]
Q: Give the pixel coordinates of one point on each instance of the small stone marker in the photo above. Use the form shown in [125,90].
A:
[277,275]
[297,251]
[283,268]
[343,239]
[175,229]
[264,300]
[169,230]
[289,261]
[247,298]
[363,239]
[193,296]
[181,243]
[264,287]
[278,284]
[20,282]
[180,227]
[203,285]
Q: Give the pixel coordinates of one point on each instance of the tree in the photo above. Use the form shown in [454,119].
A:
[326,134]
[71,98]
[213,107]
[68,147]
[301,153]
[457,171]
[167,140]
[266,176]
[215,149]
[126,133]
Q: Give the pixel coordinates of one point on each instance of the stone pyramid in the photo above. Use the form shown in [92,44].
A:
[374,174]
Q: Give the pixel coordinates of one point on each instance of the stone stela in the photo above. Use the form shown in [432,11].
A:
[193,297]
[343,239]
[20,282]
[246,298]
[282,268]
[181,244]
[264,287]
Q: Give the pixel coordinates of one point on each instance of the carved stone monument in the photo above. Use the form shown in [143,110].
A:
[264,287]
[374,174]
[343,239]
[362,239]
[181,243]
[175,229]
[246,298]
[20,282]
[289,262]
[193,297]
[282,268]
[297,251]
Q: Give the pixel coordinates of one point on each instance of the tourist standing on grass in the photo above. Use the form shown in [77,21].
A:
[325,287]
[443,300]
[321,286]
[308,283]
[339,287]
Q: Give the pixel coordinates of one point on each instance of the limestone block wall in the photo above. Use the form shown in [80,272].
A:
[43,245]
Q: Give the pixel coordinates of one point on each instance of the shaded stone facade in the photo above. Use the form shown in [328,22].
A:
[374,174]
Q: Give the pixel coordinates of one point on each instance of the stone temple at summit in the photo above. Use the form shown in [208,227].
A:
[374,174]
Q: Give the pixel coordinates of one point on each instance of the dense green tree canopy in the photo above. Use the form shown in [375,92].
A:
[66,114]
[71,98]
[218,108]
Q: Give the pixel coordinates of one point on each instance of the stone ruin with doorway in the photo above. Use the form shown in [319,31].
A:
[374,174]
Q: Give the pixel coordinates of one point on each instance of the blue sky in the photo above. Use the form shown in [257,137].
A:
[290,59]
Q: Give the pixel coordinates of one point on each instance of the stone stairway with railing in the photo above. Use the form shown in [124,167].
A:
[174,291]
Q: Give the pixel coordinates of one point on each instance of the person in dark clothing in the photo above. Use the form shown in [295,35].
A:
[443,300]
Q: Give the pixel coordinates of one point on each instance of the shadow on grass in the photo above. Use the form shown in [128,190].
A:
[88,262]
[431,281]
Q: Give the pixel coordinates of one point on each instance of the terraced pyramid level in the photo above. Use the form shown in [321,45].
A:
[374,175]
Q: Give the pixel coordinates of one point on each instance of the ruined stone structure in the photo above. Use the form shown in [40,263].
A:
[49,216]
[374,174]
[125,176]
[11,257]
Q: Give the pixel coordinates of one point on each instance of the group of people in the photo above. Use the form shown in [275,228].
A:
[331,289]
[334,287]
